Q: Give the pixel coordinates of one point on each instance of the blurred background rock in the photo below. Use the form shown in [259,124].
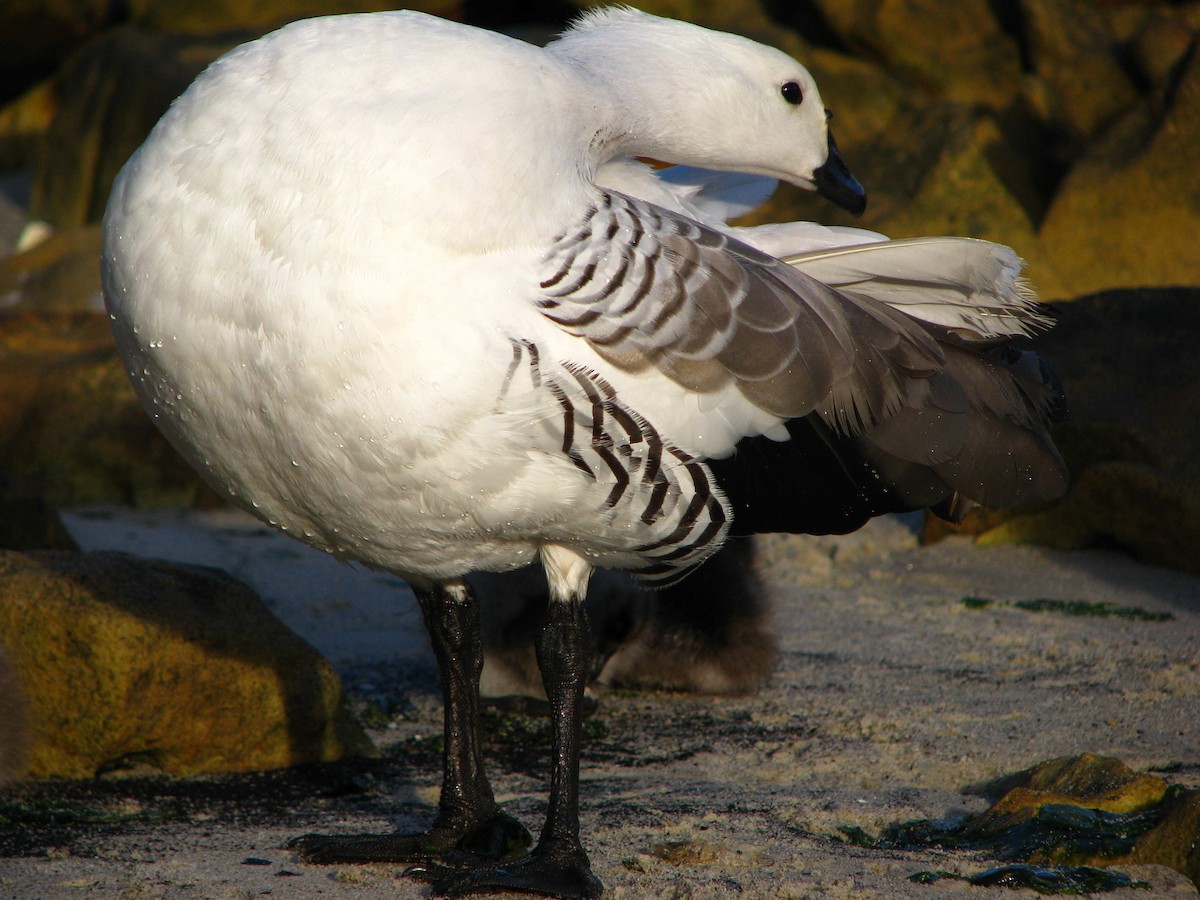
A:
[1069,129]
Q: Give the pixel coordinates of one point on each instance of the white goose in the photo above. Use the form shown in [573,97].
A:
[365,276]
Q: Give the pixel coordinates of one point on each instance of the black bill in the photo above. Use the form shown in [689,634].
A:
[835,183]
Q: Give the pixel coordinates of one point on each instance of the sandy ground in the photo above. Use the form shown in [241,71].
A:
[894,700]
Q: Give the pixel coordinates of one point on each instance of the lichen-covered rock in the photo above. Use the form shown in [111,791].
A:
[862,98]
[1174,842]
[1132,377]
[36,34]
[938,169]
[112,90]
[1126,214]
[217,16]
[60,272]
[1078,83]
[950,179]
[14,730]
[1161,42]
[24,121]
[27,522]
[1100,782]
[957,51]
[128,661]
[111,94]
[70,425]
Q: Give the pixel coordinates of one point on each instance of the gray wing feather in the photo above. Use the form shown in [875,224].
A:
[970,286]
[647,288]
[980,436]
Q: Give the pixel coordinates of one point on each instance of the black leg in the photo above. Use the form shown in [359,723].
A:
[562,653]
[558,866]
[452,617]
[468,820]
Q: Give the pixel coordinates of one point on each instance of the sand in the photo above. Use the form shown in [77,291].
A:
[894,700]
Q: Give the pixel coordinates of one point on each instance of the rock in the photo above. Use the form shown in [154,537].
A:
[12,223]
[14,729]
[948,179]
[1054,814]
[124,661]
[1161,44]
[70,425]
[111,94]
[1174,841]
[27,522]
[60,272]
[214,17]
[36,34]
[1102,782]
[863,99]
[960,51]
[24,122]
[1132,378]
[1081,85]
[1126,214]
[939,169]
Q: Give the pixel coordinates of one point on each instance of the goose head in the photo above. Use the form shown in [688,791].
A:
[684,94]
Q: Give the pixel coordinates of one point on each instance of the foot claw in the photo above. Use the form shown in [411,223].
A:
[571,878]
[428,871]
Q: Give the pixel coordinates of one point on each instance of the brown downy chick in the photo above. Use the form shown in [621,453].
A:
[710,633]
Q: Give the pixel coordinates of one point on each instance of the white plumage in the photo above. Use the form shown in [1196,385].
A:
[398,286]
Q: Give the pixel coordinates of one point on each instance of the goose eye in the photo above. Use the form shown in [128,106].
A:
[792,93]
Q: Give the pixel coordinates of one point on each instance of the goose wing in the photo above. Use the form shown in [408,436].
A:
[902,378]
[649,288]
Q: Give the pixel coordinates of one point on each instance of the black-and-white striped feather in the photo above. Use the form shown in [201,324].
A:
[662,505]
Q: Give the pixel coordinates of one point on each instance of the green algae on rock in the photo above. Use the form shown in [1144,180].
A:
[1043,880]
[1072,814]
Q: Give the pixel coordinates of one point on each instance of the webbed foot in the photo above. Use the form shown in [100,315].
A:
[552,876]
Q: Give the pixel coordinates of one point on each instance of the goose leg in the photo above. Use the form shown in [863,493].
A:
[468,821]
[558,866]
